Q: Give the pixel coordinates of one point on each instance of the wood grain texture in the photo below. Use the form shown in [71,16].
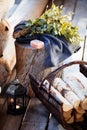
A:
[69,6]
[85,48]
[36,116]
[80,19]
[58,2]
[7,121]
[2,100]
[31,61]
[53,124]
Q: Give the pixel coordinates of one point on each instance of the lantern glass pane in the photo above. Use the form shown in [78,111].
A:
[11,103]
[19,102]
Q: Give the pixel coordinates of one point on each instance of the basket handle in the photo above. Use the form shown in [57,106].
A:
[52,75]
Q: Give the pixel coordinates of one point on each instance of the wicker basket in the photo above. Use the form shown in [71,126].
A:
[53,105]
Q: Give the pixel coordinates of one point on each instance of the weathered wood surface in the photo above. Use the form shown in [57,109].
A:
[80,20]
[8,122]
[70,6]
[31,60]
[36,116]
[30,120]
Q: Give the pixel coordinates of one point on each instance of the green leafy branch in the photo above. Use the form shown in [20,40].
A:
[54,22]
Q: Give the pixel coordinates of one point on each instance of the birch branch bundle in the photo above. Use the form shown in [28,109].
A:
[71,92]
[66,106]
[77,82]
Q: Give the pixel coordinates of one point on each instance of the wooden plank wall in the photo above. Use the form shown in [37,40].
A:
[80,19]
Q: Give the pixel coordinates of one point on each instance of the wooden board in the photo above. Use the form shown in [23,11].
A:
[35,117]
[1,103]
[58,2]
[7,121]
[31,61]
[85,50]
[69,6]
[80,19]
[54,125]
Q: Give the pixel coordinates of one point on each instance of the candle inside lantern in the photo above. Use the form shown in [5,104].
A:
[17,107]
[16,94]
[11,100]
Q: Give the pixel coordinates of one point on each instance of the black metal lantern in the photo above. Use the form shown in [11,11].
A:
[16,98]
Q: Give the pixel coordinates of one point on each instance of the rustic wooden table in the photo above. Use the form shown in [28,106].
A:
[37,117]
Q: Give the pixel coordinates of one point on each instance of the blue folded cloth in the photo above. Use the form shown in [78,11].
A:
[57,49]
[56,46]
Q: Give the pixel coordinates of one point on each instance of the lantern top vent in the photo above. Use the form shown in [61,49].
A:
[16,89]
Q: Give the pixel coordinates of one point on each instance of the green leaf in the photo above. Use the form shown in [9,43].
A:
[54,22]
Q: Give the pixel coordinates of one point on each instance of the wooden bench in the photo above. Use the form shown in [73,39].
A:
[37,117]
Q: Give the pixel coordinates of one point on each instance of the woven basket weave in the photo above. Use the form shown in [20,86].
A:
[53,105]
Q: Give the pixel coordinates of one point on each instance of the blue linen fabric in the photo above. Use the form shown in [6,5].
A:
[56,46]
